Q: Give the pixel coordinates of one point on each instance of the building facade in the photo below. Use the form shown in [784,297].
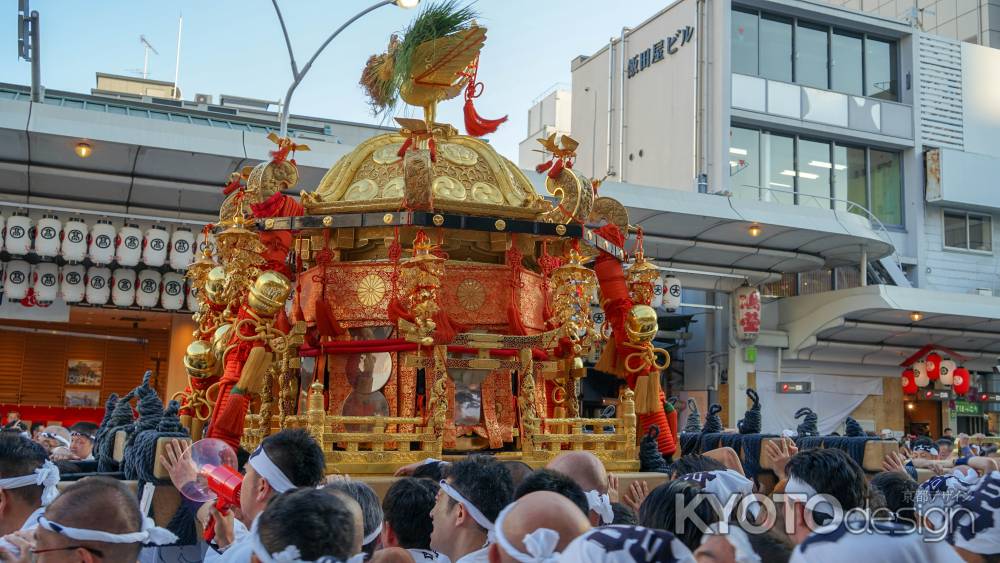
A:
[794,107]
[550,113]
[971,21]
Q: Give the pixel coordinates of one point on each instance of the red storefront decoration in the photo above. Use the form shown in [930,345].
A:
[933,365]
[747,313]
[909,384]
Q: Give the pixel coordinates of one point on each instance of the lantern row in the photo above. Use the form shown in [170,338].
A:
[97,285]
[934,367]
[102,243]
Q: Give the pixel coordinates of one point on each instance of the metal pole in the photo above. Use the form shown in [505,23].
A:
[864,265]
[177,61]
[299,75]
[36,58]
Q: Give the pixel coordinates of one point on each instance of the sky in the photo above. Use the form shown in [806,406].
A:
[236,47]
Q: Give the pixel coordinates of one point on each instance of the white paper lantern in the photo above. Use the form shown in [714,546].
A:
[123,287]
[671,293]
[47,236]
[46,281]
[18,238]
[920,374]
[98,285]
[154,248]
[205,242]
[73,283]
[172,295]
[746,309]
[3,224]
[948,371]
[657,301]
[181,248]
[192,297]
[102,242]
[17,280]
[74,241]
[129,246]
[147,292]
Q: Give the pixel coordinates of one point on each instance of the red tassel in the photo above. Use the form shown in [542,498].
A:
[665,439]
[446,328]
[476,125]
[406,146]
[432,146]
[556,169]
[543,166]
[326,324]
[228,426]
[396,311]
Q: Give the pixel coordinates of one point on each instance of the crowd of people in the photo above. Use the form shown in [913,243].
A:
[822,507]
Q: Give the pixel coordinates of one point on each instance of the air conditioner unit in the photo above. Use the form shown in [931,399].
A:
[984,291]
[203,98]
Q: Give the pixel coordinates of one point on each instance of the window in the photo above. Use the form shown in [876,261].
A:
[850,176]
[886,187]
[811,56]
[776,48]
[880,69]
[744,162]
[968,231]
[846,66]
[814,55]
[778,160]
[814,174]
[792,170]
[744,36]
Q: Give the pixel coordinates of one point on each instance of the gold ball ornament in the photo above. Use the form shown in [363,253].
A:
[215,285]
[220,340]
[641,324]
[199,359]
[269,292]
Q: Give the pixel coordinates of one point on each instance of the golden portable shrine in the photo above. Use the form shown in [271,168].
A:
[423,299]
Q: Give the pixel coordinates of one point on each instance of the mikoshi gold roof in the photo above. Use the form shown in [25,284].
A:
[467,175]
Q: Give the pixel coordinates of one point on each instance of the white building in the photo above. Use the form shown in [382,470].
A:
[549,113]
[780,110]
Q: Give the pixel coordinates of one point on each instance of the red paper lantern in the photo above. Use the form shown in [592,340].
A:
[909,383]
[961,381]
[933,365]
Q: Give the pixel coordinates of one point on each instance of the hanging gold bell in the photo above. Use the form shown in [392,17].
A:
[269,292]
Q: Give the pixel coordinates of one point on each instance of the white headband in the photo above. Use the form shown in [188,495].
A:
[61,439]
[601,504]
[478,516]
[149,534]
[269,471]
[738,538]
[541,544]
[45,475]
[290,554]
[372,536]
[925,448]
[796,486]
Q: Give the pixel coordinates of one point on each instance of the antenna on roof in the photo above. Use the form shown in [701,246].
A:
[147,47]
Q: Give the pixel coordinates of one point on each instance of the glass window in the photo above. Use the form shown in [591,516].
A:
[849,178]
[776,48]
[846,65]
[886,187]
[968,231]
[744,43]
[980,237]
[811,56]
[814,174]
[955,234]
[880,69]
[744,162]
[778,162]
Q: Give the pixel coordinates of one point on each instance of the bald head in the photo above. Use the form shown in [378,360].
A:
[96,503]
[542,509]
[584,468]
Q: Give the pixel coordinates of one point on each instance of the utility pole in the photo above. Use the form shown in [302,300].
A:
[28,46]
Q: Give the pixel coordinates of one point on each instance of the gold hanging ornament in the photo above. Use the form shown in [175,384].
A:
[573,284]
[421,278]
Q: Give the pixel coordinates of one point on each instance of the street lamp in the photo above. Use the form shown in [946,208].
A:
[297,74]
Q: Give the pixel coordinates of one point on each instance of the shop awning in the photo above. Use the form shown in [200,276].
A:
[874,325]
[688,229]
